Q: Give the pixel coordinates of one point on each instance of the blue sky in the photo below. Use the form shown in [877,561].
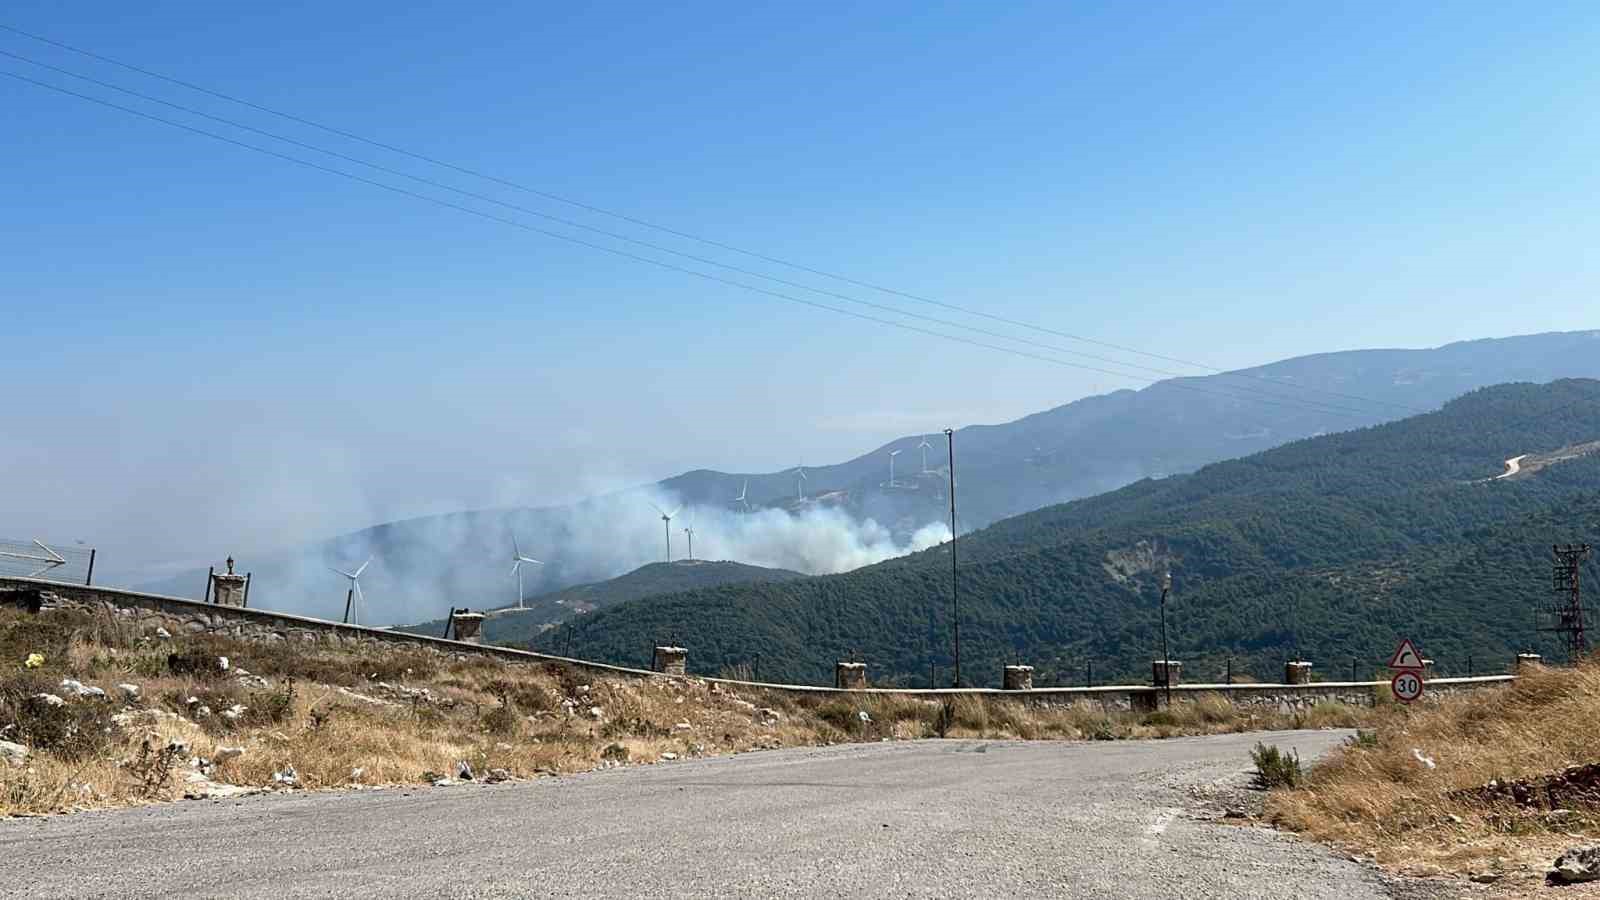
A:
[225,347]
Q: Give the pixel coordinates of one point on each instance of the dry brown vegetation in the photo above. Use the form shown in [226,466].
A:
[343,717]
[1485,806]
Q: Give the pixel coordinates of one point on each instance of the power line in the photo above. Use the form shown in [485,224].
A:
[1320,405]
[697,238]
[645,259]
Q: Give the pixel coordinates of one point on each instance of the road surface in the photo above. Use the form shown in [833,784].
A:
[1513,466]
[917,819]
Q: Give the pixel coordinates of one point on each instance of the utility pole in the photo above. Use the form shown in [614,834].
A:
[1166,658]
[955,601]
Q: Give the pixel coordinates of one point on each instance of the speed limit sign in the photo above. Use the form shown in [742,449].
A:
[1407,686]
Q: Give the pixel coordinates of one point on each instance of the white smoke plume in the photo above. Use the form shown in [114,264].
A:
[423,567]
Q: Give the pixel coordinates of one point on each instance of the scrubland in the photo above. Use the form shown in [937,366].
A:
[98,714]
[1492,784]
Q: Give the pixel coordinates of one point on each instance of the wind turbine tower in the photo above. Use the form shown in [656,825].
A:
[517,559]
[666,524]
[800,483]
[352,595]
[688,530]
[924,447]
[892,455]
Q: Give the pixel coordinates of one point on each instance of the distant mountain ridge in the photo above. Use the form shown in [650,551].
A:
[1080,449]
[1330,547]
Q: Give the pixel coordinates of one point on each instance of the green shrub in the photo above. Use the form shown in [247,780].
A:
[78,729]
[1275,768]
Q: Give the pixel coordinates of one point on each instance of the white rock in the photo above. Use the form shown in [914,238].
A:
[15,754]
[191,701]
[233,712]
[72,686]
[669,756]
[222,663]
[50,699]
[130,692]
[288,777]
[163,633]
[1417,753]
[1578,865]
[683,726]
[357,772]
[596,712]
[862,715]
[463,771]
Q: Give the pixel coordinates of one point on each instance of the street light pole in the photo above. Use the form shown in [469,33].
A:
[955,602]
[1166,658]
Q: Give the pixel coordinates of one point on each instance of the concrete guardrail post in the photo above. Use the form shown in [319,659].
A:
[671,660]
[850,676]
[1526,661]
[1162,669]
[467,626]
[1297,671]
[227,589]
[1019,678]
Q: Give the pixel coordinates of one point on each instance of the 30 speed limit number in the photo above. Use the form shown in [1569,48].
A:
[1407,686]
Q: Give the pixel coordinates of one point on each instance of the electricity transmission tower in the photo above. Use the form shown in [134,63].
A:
[1567,608]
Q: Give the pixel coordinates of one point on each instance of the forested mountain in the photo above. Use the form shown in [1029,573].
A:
[510,625]
[1331,547]
[1076,450]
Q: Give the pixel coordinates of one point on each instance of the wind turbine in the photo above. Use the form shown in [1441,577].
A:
[743,492]
[352,596]
[517,559]
[892,455]
[666,523]
[800,483]
[689,530]
[924,447]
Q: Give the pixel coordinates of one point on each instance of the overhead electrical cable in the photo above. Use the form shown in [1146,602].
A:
[1295,404]
[690,236]
[1322,405]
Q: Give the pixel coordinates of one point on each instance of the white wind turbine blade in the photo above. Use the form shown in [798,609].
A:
[674,511]
[529,559]
[348,575]
[656,508]
[363,568]
[516,552]
[361,600]
[516,566]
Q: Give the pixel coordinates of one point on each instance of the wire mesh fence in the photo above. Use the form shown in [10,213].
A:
[23,558]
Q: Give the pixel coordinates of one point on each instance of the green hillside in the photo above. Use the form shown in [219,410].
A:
[506,626]
[1331,547]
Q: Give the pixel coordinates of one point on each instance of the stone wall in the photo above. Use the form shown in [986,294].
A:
[149,612]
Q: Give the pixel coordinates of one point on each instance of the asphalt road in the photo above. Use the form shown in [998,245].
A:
[920,819]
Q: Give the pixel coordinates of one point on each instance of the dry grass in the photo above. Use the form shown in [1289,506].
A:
[1376,797]
[341,717]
